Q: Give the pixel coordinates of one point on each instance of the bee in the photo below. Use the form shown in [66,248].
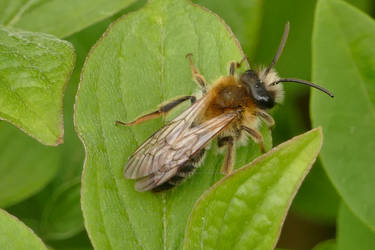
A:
[231,108]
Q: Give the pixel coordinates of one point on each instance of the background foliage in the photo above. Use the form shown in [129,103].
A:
[41,184]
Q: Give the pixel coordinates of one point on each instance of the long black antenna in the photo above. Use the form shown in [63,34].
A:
[303,82]
[281,47]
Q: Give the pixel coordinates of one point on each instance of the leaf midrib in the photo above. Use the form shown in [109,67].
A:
[103,137]
[164,89]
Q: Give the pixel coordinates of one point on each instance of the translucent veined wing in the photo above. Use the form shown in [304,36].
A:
[191,141]
[153,151]
[158,158]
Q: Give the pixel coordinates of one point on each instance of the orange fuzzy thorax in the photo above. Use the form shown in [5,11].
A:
[227,94]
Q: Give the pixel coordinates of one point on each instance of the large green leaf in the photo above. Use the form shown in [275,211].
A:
[343,61]
[139,63]
[26,166]
[58,17]
[246,209]
[34,69]
[15,235]
[352,233]
[242,16]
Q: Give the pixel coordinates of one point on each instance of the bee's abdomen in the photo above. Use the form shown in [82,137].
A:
[185,171]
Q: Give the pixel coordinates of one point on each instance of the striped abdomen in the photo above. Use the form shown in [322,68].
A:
[185,171]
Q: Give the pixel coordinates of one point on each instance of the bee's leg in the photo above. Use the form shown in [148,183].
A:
[197,76]
[267,118]
[234,65]
[256,135]
[229,156]
[165,108]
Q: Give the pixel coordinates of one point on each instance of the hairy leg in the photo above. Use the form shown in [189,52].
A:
[267,118]
[199,79]
[163,109]
[235,65]
[256,136]
[228,163]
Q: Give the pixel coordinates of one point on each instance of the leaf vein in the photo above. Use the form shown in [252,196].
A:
[103,138]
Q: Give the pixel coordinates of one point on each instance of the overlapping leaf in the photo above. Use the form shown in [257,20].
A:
[34,69]
[246,210]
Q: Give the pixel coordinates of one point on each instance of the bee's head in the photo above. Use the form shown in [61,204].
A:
[258,86]
[264,85]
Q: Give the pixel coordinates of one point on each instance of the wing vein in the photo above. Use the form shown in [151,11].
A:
[158,159]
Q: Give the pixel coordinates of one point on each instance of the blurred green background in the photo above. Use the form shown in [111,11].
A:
[52,209]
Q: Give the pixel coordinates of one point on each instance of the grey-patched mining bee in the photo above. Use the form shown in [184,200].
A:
[232,107]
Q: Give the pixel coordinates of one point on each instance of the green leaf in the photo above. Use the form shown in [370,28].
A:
[352,233]
[34,69]
[58,17]
[317,199]
[243,17]
[246,209]
[15,235]
[327,245]
[26,166]
[343,61]
[139,63]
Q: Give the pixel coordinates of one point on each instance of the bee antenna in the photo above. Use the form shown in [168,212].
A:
[280,50]
[303,82]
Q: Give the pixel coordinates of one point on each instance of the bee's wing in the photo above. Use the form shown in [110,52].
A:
[167,161]
[151,155]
